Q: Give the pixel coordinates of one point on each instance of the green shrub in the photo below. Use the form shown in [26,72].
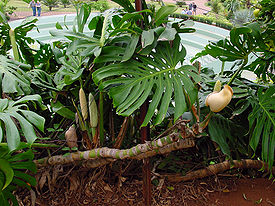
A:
[204,19]
[224,25]
[100,5]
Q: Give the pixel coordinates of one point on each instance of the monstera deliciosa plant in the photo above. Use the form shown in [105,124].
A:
[135,65]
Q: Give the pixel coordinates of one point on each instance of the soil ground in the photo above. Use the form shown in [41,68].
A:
[99,187]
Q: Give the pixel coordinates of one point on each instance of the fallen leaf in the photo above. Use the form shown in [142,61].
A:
[74,183]
[123,179]
[108,188]
[33,197]
[42,181]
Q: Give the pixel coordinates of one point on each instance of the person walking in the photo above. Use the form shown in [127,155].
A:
[194,8]
[190,6]
[38,7]
[33,6]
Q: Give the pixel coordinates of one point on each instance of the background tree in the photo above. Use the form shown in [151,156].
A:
[65,3]
[216,7]
[50,3]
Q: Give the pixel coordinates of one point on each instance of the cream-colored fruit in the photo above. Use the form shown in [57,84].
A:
[83,104]
[219,100]
[93,111]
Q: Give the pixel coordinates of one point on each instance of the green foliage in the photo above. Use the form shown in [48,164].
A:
[204,19]
[267,8]
[100,5]
[50,3]
[155,74]
[180,3]
[262,124]
[22,40]
[12,173]
[228,135]
[13,79]
[65,3]
[238,47]
[250,46]
[241,17]
[216,6]
[126,5]
[115,41]
[232,5]
[224,25]
[27,119]
[5,9]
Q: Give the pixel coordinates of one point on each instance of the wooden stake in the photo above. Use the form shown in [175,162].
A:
[146,169]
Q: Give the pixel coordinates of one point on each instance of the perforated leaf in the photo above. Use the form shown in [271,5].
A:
[161,77]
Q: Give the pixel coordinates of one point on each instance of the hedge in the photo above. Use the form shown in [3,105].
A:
[204,19]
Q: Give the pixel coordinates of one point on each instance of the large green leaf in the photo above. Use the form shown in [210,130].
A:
[84,44]
[5,167]
[147,38]
[82,16]
[14,80]
[263,117]
[42,79]
[12,167]
[159,76]
[11,131]
[238,47]
[70,72]
[26,119]
[62,110]
[219,131]
[126,4]
[130,49]
[163,13]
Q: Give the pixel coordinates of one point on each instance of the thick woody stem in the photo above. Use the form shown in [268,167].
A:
[221,167]
[180,144]
[163,145]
